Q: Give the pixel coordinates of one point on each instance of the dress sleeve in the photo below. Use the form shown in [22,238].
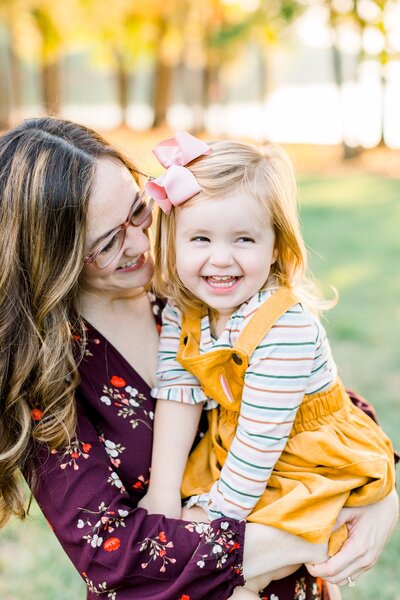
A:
[274,386]
[121,551]
[173,381]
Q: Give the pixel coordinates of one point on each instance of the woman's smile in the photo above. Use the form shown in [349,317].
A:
[133,264]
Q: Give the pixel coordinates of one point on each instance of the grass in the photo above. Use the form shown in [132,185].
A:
[351,223]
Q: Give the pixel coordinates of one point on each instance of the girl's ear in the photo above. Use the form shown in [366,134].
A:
[274,255]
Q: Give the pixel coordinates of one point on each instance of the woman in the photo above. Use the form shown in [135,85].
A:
[78,335]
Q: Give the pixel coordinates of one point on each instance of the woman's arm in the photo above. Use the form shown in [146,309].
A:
[269,553]
[270,549]
[117,547]
[369,529]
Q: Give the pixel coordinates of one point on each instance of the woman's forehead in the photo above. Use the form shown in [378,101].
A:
[112,194]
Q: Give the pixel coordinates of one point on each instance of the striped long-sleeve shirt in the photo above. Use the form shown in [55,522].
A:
[293,360]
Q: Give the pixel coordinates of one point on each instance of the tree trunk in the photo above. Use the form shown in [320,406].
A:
[16,83]
[162,92]
[51,87]
[5,112]
[212,92]
[262,73]
[11,90]
[347,151]
[382,142]
[122,86]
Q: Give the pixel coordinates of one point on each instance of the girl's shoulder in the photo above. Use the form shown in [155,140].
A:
[299,312]
[298,321]
[171,314]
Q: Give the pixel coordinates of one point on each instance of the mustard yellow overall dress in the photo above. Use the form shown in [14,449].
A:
[335,456]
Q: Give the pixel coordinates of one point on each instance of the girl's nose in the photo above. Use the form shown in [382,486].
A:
[221,256]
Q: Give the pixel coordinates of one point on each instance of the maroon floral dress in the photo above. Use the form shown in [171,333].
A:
[89,494]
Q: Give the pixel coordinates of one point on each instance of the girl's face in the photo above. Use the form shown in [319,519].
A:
[114,192]
[224,249]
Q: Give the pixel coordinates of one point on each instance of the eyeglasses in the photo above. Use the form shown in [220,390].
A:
[105,252]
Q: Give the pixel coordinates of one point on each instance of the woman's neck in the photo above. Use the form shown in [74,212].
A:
[127,322]
[92,304]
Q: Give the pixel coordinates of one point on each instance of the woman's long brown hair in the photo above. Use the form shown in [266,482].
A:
[47,167]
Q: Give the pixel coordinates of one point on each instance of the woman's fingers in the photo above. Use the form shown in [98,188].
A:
[369,529]
[352,560]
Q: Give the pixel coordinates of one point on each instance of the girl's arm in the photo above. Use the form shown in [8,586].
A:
[274,386]
[179,405]
[175,428]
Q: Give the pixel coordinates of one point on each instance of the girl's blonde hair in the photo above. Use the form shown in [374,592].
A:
[268,175]
[47,168]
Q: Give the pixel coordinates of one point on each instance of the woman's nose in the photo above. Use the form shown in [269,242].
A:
[136,239]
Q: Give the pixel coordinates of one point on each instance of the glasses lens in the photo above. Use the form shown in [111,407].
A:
[109,251]
[141,211]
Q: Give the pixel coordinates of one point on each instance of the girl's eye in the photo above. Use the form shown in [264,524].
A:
[245,239]
[200,238]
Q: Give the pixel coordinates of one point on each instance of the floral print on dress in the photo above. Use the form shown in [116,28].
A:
[127,400]
[73,453]
[104,522]
[115,480]
[316,589]
[83,343]
[100,589]
[220,542]
[113,450]
[141,483]
[157,551]
[300,589]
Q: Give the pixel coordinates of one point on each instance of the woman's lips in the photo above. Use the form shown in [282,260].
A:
[134,267]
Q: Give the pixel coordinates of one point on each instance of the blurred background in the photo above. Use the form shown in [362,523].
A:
[320,77]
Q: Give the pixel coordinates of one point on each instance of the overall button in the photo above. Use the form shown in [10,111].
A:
[236,358]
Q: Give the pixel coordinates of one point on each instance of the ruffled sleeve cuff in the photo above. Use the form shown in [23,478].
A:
[187,395]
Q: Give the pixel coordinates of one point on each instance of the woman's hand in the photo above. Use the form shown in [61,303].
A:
[369,529]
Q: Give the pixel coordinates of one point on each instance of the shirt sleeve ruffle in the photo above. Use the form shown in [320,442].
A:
[187,395]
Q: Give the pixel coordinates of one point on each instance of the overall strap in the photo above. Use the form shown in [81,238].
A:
[191,331]
[264,318]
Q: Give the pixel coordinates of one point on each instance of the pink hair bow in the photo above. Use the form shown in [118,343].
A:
[178,183]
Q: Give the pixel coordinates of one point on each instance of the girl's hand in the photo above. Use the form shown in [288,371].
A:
[165,503]
[369,529]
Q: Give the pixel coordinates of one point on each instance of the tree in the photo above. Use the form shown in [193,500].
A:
[369,18]
[11,90]
[49,55]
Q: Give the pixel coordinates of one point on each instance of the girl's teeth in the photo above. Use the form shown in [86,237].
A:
[222,281]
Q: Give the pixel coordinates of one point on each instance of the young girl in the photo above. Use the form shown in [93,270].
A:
[285,445]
